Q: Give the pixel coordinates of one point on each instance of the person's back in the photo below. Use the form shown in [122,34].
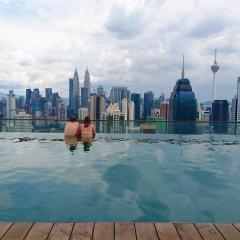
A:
[86,130]
[71,128]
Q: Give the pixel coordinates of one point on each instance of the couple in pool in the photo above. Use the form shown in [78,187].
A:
[73,131]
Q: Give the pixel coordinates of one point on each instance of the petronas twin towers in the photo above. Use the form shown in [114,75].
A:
[74,92]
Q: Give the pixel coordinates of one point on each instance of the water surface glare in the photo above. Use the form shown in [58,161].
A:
[128,177]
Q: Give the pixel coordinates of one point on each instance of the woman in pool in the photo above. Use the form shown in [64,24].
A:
[71,127]
[86,131]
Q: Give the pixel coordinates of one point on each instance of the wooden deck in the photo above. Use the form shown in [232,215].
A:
[119,231]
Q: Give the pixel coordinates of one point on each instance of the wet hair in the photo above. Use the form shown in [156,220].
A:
[87,121]
[73,119]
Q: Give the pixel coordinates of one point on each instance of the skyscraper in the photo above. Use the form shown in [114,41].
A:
[100,90]
[11,105]
[233,114]
[148,103]
[220,111]
[97,106]
[215,68]
[87,82]
[131,111]
[161,98]
[84,97]
[28,100]
[164,110]
[118,94]
[125,108]
[74,95]
[136,98]
[182,102]
[48,94]
[238,100]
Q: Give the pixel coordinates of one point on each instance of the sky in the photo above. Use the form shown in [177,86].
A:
[133,43]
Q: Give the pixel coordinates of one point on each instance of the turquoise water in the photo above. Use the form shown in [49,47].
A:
[120,177]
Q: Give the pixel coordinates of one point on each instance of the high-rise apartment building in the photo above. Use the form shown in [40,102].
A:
[164,110]
[233,113]
[125,108]
[11,105]
[100,90]
[136,98]
[118,94]
[28,100]
[182,102]
[148,104]
[238,100]
[87,82]
[131,111]
[220,111]
[84,97]
[48,94]
[161,98]
[97,106]
[82,113]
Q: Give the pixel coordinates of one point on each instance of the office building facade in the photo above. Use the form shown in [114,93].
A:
[148,104]
[136,98]
[182,102]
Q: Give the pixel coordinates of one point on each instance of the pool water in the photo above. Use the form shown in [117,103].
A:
[120,178]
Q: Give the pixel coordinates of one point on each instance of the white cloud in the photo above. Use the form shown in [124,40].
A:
[132,42]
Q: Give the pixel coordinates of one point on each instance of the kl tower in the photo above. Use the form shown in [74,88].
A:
[215,68]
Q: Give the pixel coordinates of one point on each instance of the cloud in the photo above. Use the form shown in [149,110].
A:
[209,26]
[137,43]
[125,23]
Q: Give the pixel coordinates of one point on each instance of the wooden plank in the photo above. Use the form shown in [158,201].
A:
[82,231]
[103,231]
[146,231]
[237,225]
[228,231]
[167,231]
[61,231]
[39,231]
[187,231]
[18,231]
[209,231]
[125,231]
[4,228]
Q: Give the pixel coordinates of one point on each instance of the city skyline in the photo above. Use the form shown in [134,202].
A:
[130,43]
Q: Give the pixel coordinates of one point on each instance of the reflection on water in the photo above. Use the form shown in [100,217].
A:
[124,127]
[119,178]
[72,143]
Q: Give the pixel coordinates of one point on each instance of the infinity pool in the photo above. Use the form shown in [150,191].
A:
[120,178]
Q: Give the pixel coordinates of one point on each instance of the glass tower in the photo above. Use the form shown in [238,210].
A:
[148,103]
[136,98]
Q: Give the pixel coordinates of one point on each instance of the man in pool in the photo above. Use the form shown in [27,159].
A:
[86,131]
[71,127]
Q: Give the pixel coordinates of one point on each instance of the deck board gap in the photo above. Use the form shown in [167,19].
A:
[28,231]
[70,236]
[198,231]
[219,231]
[177,231]
[135,230]
[156,231]
[93,230]
[236,227]
[50,231]
[7,231]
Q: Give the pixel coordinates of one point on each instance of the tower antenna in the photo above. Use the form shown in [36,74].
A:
[215,67]
[183,68]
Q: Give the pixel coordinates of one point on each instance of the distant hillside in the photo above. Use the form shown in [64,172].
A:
[207,103]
